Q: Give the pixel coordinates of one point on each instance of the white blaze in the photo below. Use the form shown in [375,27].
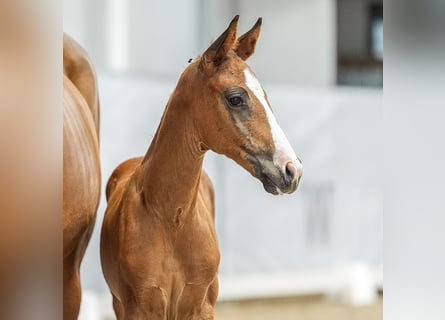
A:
[283,149]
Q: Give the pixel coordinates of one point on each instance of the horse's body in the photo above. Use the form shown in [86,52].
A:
[159,248]
[81,169]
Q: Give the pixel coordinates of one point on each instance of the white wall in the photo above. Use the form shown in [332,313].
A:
[298,39]
[162,36]
[297,43]
[74,19]
[156,38]
[149,37]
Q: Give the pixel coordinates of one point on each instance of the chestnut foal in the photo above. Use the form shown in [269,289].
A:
[159,248]
[81,170]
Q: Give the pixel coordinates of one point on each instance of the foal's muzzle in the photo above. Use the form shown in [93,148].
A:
[278,178]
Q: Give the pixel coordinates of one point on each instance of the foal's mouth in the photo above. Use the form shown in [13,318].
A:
[277,188]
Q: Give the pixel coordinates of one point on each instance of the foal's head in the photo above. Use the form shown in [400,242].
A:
[233,113]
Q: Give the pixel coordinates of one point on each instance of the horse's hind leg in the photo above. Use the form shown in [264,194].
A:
[118,308]
[71,287]
[72,290]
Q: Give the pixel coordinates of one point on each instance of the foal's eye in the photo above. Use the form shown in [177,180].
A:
[236,101]
[236,98]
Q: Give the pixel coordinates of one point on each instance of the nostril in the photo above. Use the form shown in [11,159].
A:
[290,171]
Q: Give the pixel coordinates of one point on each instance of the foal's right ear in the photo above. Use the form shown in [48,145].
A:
[219,49]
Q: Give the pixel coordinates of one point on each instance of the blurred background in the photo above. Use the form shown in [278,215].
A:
[315,254]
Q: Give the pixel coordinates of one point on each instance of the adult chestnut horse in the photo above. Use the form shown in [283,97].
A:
[81,170]
[159,249]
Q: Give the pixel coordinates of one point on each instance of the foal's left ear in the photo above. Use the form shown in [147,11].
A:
[247,42]
[219,49]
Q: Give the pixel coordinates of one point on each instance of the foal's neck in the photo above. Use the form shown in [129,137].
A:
[171,170]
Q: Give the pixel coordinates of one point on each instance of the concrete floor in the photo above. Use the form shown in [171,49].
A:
[304,308]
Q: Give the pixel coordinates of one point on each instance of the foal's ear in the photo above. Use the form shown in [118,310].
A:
[225,42]
[247,42]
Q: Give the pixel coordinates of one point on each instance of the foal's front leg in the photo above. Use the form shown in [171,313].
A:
[150,304]
[197,302]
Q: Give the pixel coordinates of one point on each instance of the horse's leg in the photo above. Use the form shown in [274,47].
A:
[118,308]
[212,293]
[72,290]
[134,314]
[71,287]
[138,313]
[192,296]
[208,310]
[150,304]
